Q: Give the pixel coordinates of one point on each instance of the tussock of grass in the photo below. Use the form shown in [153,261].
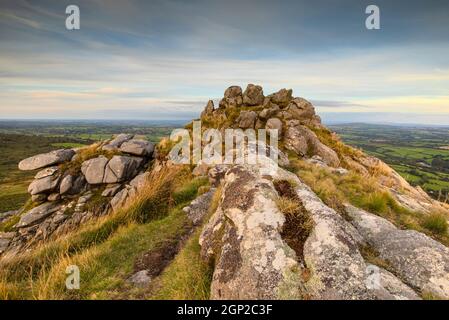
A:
[436,222]
[188,277]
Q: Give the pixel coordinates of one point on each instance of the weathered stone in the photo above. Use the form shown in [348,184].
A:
[138,147]
[38,198]
[282,97]
[117,141]
[232,98]
[140,181]
[303,141]
[415,258]
[46,159]
[121,168]
[252,261]
[140,278]
[275,124]
[269,112]
[199,207]
[44,185]
[389,286]
[301,109]
[54,197]
[94,169]
[246,119]
[111,190]
[38,214]
[208,110]
[253,95]
[46,172]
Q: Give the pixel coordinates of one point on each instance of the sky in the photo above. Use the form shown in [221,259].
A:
[165,59]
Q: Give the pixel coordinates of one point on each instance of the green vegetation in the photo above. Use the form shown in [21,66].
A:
[414,152]
[436,222]
[188,277]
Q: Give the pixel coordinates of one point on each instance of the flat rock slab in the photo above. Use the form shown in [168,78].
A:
[46,159]
[38,214]
[117,141]
[138,147]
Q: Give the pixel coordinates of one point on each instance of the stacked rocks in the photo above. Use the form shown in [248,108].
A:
[292,117]
[67,180]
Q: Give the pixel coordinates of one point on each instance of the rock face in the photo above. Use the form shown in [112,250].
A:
[243,235]
[121,168]
[94,169]
[46,159]
[418,260]
[254,262]
[282,98]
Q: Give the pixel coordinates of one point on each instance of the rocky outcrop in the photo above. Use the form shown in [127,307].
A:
[292,117]
[62,193]
[46,159]
[418,260]
[254,262]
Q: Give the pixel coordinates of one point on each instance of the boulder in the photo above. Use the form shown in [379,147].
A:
[253,95]
[246,119]
[46,159]
[121,168]
[72,185]
[44,185]
[54,197]
[269,112]
[282,97]
[232,98]
[305,142]
[208,110]
[117,141]
[301,109]
[138,148]
[415,258]
[274,124]
[94,169]
[38,214]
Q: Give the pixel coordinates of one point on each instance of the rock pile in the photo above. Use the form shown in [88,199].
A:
[69,181]
[294,118]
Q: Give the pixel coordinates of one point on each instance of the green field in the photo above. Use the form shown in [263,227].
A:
[415,152]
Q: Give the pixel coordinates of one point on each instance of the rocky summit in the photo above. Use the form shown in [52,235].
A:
[329,223]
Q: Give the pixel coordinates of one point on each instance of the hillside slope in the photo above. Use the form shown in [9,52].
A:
[329,223]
